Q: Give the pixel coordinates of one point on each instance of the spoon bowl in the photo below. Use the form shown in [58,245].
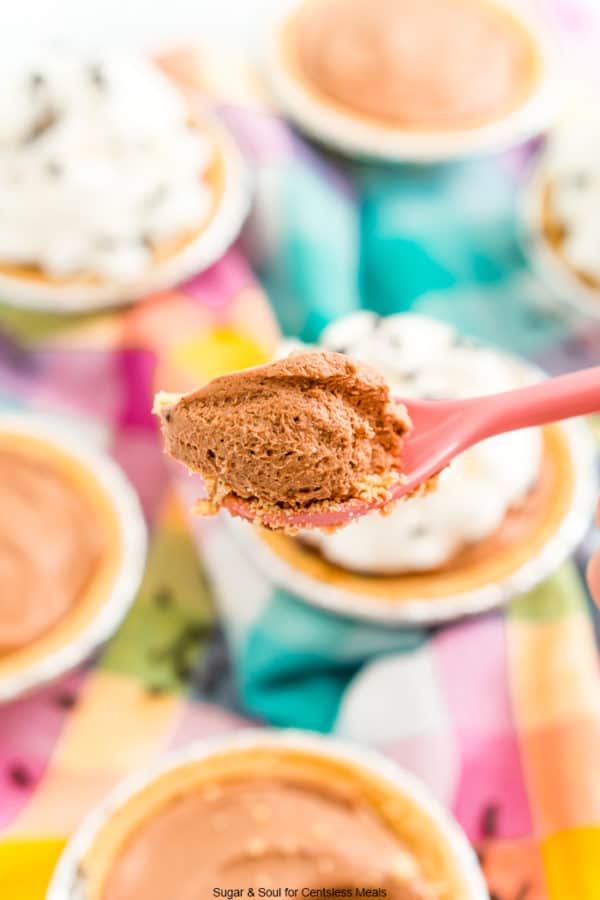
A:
[441,429]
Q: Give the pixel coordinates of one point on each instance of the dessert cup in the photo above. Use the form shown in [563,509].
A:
[106,596]
[174,260]
[342,128]
[541,239]
[528,546]
[401,803]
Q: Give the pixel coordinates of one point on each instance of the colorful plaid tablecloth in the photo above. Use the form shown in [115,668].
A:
[499,714]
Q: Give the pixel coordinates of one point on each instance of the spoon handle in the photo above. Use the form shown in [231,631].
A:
[564,397]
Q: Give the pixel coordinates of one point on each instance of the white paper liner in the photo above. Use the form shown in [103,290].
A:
[359,138]
[554,272]
[133,552]
[68,881]
[205,249]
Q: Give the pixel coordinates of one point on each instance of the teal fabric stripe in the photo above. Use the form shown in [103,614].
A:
[312,279]
[298,660]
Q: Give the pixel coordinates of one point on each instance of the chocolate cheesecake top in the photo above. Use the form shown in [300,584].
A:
[432,64]
[271,834]
[50,547]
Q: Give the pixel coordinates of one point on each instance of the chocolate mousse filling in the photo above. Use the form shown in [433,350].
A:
[261,836]
[50,548]
[314,430]
[431,64]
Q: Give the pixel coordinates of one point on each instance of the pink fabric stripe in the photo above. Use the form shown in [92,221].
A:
[490,798]
[473,664]
[472,661]
[202,720]
[262,136]
[26,750]
[216,286]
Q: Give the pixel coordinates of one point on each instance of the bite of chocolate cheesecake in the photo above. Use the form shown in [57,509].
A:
[313,430]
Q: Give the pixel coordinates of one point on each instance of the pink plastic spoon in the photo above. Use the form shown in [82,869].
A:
[444,428]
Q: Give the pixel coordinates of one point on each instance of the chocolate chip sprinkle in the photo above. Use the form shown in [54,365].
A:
[164,597]
[179,654]
[489,820]
[97,76]
[19,776]
[65,700]
[54,168]
[183,671]
[36,81]
[47,118]
[156,690]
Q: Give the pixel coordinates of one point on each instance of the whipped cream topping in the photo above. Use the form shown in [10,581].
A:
[99,164]
[421,357]
[574,171]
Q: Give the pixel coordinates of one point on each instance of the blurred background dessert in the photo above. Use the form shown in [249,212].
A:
[427,359]
[376,60]
[499,520]
[429,76]
[562,206]
[72,550]
[53,542]
[572,197]
[263,809]
[100,164]
[108,176]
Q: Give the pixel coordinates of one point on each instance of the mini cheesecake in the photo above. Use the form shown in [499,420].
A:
[269,814]
[423,358]
[502,516]
[354,71]
[116,181]
[71,552]
[161,252]
[52,545]
[555,231]
[528,546]
[560,209]
[570,204]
